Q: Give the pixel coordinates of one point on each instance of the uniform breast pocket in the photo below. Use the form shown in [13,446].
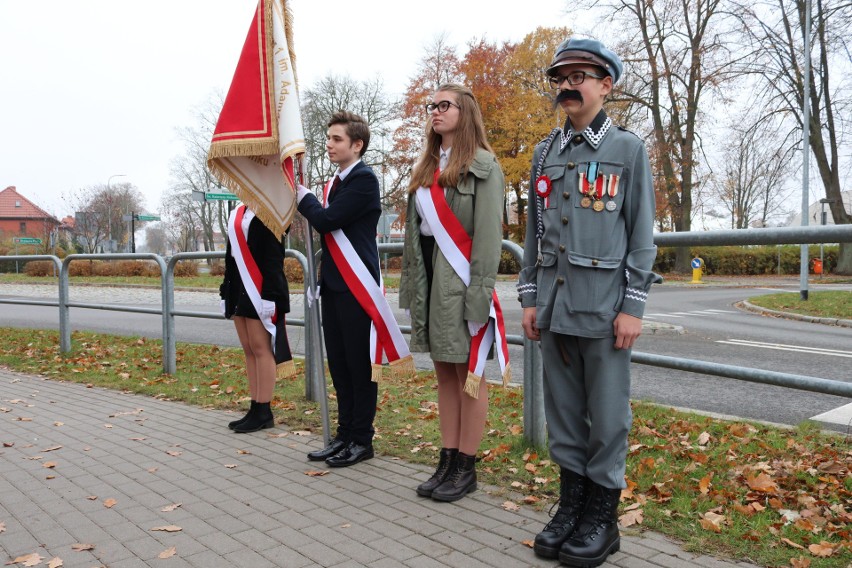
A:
[551,182]
[596,283]
[599,186]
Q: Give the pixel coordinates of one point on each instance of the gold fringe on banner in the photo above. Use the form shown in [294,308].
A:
[507,375]
[402,368]
[286,370]
[376,373]
[471,385]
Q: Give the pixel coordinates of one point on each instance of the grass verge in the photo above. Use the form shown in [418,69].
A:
[747,491]
[823,304]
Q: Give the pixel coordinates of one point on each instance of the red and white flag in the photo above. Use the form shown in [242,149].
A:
[258,140]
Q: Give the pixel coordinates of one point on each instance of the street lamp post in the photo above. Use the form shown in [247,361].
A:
[109,209]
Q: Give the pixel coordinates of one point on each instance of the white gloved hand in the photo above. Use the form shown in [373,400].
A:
[301,192]
[473,327]
[222,307]
[267,309]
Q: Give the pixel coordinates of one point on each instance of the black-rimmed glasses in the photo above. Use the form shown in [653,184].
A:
[574,78]
[442,106]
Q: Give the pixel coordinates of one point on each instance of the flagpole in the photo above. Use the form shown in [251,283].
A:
[314,347]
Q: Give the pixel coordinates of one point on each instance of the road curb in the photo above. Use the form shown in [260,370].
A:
[745,305]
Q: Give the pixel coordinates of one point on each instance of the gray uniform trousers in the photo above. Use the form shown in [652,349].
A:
[587,405]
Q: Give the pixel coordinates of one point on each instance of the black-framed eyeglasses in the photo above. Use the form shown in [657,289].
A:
[442,106]
[574,78]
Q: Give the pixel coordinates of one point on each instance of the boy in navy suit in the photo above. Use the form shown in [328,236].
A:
[347,220]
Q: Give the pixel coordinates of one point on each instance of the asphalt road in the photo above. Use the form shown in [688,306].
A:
[690,322]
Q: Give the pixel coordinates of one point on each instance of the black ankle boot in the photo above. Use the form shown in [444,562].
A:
[459,482]
[596,536]
[262,418]
[573,495]
[234,423]
[446,462]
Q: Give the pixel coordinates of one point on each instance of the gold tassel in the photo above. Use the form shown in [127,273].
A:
[376,373]
[471,385]
[402,368]
[286,370]
[507,375]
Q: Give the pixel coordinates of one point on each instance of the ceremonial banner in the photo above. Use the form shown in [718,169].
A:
[258,140]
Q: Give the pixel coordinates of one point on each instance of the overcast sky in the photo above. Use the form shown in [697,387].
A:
[96,88]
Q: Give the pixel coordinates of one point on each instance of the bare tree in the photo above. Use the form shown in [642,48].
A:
[755,172]
[777,30]
[675,54]
[100,211]
[332,94]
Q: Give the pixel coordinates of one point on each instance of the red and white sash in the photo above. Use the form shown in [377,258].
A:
[456,245]
[253,282]
[385,335]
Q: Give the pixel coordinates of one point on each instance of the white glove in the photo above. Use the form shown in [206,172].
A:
[473,327]
[301,192]
[267,310]
[222,307]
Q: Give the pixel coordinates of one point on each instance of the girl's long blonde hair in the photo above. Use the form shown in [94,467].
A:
[469,137]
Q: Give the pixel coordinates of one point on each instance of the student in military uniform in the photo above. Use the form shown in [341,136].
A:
[585,278]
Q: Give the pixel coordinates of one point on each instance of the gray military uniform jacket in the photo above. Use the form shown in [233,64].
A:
[591,262]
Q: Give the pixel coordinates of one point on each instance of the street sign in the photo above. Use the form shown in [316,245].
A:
[147,217]
[221,197]
[27,241]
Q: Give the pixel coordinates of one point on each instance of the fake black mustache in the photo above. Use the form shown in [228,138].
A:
[568,95]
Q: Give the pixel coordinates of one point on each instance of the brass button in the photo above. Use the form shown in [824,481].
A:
[561,248]
[564,220]
[560,280]
[594,262]
[565,195]
[571,165]
[577,139]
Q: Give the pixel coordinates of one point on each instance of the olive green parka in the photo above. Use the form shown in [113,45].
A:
[477,202]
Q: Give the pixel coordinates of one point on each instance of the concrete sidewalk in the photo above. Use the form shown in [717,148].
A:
[69,452]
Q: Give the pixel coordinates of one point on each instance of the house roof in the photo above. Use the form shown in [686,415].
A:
[13,205]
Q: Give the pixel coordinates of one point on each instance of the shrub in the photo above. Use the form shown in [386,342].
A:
[40,268]
[186,268]
[293,271]
[508,263]
[217,269]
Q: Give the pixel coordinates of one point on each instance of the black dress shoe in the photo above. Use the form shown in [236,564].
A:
[350,455]
[333,448]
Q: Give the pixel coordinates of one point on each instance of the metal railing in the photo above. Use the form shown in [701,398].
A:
[534,420]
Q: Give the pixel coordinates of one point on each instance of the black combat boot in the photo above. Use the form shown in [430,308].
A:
[446,463]
[262,418]
[234,423]
[573,495]
[596,535]
[459,482]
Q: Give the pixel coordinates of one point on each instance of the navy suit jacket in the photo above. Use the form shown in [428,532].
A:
[355,208]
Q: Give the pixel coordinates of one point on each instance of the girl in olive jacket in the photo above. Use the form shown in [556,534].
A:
[444,312]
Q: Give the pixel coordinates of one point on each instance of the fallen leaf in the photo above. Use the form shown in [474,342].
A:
[302,433]
[2,527]
[528,543]
[244,452]
[704,484]
[110,503]
[49,464]
[712,521]
[50,477]
[24,419]
[763,483]
[167,553]
[703,438]
[79,547]
[510,506]
[319,473]
[108,426]
[230,465]
[800,562]
[631,518]
[138,439]
[346,526]
[55,562]
[823,549]
[789,542]
[33,559]
[173,453]
[8,444]
[59,423]
[153,469]
[92,497]
[52,448]
[172,507]
[168,528]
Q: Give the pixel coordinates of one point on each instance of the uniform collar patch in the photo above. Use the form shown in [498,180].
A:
[594,133]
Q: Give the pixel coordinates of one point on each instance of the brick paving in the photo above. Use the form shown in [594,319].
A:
[245,500]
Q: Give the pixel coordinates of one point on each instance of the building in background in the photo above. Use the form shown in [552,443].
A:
[20,217]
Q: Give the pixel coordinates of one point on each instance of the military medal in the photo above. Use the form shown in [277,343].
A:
[586,201]
[543,187]
[610,205]
[598,205]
